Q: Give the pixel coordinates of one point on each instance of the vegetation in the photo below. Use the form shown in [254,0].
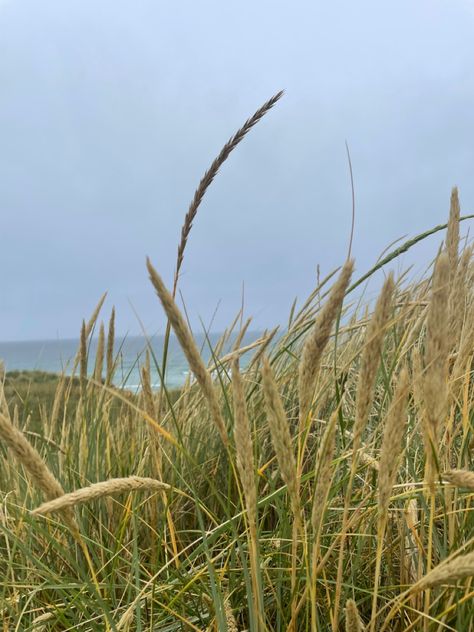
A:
[326,487]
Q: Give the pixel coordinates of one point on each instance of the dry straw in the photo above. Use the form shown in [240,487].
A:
[99,490]
[370,359]
[353,620]
[190,349]
[460,478]
[317,340]
[281,437]
[436,357]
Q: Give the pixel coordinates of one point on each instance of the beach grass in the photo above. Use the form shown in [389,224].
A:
[328,486]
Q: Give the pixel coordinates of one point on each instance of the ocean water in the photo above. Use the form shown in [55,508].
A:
[57,356]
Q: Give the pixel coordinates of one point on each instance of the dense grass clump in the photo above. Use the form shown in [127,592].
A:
[327,486]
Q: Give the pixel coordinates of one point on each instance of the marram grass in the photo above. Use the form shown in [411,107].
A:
[327,486]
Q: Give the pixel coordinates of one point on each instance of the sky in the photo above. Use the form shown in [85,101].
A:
[111,111]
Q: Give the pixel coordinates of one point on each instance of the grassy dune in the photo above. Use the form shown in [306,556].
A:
[326,487]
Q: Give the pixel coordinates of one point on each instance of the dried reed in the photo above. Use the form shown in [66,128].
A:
[190,349]
[99,490]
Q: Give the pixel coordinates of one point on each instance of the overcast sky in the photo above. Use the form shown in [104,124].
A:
[111,111]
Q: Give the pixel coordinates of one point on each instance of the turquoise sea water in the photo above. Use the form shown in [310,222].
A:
[57,356]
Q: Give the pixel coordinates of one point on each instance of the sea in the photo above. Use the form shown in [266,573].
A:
[57,356]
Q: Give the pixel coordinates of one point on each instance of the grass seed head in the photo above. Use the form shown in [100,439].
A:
[317,340]
[190,350]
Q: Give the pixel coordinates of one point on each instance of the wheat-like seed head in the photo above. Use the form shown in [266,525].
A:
[464,354]
[447,572]
[317,340]
[147,391]
[436,365]
[229,615]
[244,447]
[212,172]
[93,319]
[99,490]
[371,359]
[452,237]
[83,360]
[110,347]
[281,438]
[460,478]
[353,620]
[392,444]
[324,472]
[458,299]
[29,457]
[190,349]
[99,356]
